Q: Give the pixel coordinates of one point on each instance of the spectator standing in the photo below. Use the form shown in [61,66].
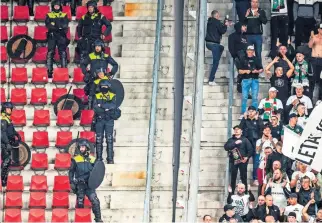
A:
[284,50]
[298,175]
[230,214]
[253,213]
[261,171]
[302,117]
[215,30]
[237,42]
[276,127]
[294,100]
[241,8]
[240,150]
[291,217]
[250,68]
[270,106]
[316,44]
[255,18]
[294,207]
[305,17]
[293,126]
[269,209]
[309,218]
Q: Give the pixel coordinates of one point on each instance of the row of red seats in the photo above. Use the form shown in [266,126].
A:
[39,95]
[58,215]
[39,161]
[21,13]
[39,75]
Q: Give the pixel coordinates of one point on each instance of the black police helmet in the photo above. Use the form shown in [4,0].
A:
[83,142]
[99,43]
[5,106]
[56,2]
[91,3]
[104,84]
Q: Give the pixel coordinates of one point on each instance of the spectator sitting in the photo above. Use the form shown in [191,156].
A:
[293,100]
[269,209]
[294,207]
[253,213]
[269,219]
[302,117]
[261,171]
[276,127]
[229,213]
[298,175]
[314,218]
[293,126]
[270,106]
[291,217]
[206,218]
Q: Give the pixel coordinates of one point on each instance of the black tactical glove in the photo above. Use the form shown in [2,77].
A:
[18,137]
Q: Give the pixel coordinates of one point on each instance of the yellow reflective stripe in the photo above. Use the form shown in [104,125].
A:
[5,117]
[108,94]
[80,158]
[97,81]
[53,15]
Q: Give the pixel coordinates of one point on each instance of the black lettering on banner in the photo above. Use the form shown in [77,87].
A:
[319,127]
[303,161]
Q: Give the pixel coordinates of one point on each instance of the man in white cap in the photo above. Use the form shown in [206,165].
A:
[292,101]
[270,106]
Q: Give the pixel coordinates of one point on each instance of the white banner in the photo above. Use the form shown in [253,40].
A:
[309,148]
[291,139]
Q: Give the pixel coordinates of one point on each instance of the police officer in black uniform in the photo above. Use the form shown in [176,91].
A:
[106,112]
[79,173]
[98,60]
[9,142]
[90,29]
[57,24]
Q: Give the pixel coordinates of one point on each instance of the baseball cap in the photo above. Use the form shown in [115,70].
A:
[293,195]
[272,89]
[292,115]
[228,207]
[293,214]
[251,47]
[237,127]
[251,108]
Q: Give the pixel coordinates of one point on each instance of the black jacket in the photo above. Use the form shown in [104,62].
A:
[237,41]
[252,128]
[253,213]
[8,131]
[304,196]
[255,24]
[57,23]
[81,167]
[250,63]
[286,163]
[276,131]
[225,218]
[215,30]
[273,211]
[245,148]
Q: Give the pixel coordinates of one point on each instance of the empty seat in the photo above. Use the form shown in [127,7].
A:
[36,215]
[20,14]
[19,75]
[41,118]
[15,183]
[41,12]
[89,135]
[78,76]
[60,200]
[20,30]
[61,183]
[3,34]
[80,11]
[40,140]
[13,200]
[39,75]
[18,117]
[40,55]
[107,38]
[62,161]
[22,135]
[65,118]
[40,34]
[61,76]
[39,161]
[57,57]
[86,118]
[3,75]
[3,56]
[4,13]
[3,97]
[19,96]
[63,139]
[67,10]
[59,215]
[107,50]
[38,183]
[107,11]
[82,215]
[57,93]
[12,215]
[79,92]
[38,96]
[37,200]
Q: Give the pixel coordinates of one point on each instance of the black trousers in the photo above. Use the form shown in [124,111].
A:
[242,167]
[279,29]
[317,69]
[303,28]
[82,190]
[61,42]
[290,4]
[104,126]
[241,8]
[5,163]
[29,3]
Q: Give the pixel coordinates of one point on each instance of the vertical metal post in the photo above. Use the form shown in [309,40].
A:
[178,97]
[156,64]
[197,115]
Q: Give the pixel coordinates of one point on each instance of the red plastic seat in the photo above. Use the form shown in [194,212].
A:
[3,56]
[60,200]
[57,93]
[67,10]
[19,96]
[18,117]
[3,34]
[62,161]
[3,97]
[38,96]
[63,139]
[36,215]
[20,14]
[57,57]
[65,118]
[37,200]
[38,183]
[78,76]
[87,203]
[68,35]
[15,183]
[3,75]
[89,135]
[107,11]
[59,215]
[39,75]
[86,118]
[40,34]
[4,13]
[41,118]
[79,92]
[19,75]
[22,135]
[20,30]
[39,161]
[107,50]
[41,12]
[40,56]
[13,200]
[107,38]
[12,215]
[61,76]
[61,183]
[82,215]
[80,11]
[40,140]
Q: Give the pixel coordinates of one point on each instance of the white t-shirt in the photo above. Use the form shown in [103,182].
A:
[261,105]
[277,192]
[301,121]
[267,143]
[266,180]
[241,204]
[301,175]
[295,208]
[304,99]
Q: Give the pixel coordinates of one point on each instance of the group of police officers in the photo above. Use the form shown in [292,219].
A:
[98,88]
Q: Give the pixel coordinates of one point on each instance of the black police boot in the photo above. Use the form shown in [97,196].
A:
[99,146]
[96,208]
[110,151]
[50,62]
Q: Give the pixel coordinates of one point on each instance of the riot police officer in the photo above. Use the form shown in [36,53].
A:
[79,173]
[106,112]
[97,60]
[57,23]
[90,29]
[9,142]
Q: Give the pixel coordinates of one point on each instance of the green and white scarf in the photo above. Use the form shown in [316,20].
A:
[299,76]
